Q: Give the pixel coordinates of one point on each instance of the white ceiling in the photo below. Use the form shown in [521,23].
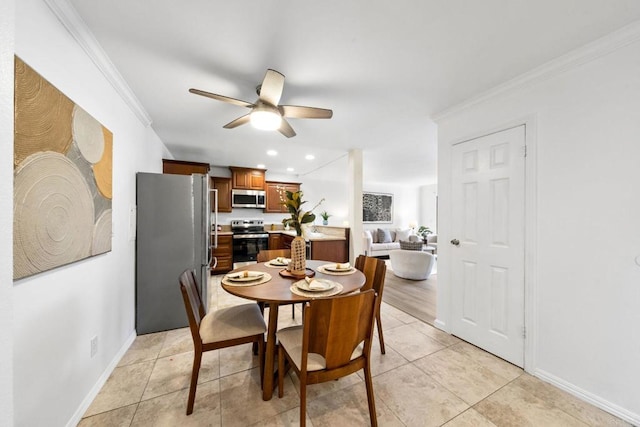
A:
[383,67]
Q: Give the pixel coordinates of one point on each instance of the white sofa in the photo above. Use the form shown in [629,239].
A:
[374,247]
[413,265]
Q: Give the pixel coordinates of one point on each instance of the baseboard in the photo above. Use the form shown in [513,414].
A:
[441,325]
[77,416]
[591,398]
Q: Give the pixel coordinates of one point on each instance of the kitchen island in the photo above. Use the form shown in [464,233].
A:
[325,243]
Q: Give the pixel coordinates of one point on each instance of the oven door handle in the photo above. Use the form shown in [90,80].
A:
[250,236]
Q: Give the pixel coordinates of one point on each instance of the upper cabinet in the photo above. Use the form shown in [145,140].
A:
[247,179]
[273,190]
[184,168]
[223,185]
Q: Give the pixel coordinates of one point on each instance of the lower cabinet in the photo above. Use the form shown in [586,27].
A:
[286,241]
[330,250]
[275,241]
[224,255]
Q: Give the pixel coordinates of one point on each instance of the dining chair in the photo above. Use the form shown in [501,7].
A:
[217,329]
[265,255]
[374,270]
[333,341]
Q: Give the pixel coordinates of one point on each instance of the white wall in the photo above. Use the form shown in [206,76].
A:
[585,281]
[428,207]
[56,313]
[6,207]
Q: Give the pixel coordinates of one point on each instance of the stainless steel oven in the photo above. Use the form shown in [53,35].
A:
[249,238]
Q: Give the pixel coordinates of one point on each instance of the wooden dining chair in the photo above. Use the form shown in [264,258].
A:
[374,270]
[267,255]
[333,341]
[222,328]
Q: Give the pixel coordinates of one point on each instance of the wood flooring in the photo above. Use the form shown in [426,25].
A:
[414,297]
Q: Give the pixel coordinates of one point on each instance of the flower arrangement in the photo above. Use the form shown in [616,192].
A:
[293,202]
[325,215]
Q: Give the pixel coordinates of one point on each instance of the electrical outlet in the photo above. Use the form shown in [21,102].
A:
[94,346]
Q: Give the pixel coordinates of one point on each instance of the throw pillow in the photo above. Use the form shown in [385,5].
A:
[410,246]
[367,234]
[384,236]
[403,235]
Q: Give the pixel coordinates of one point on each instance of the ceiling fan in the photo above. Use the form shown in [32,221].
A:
[265,113]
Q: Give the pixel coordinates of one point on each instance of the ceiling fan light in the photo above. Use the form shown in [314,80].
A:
[265,120]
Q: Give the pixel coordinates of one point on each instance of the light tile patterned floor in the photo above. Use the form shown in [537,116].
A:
[427,378]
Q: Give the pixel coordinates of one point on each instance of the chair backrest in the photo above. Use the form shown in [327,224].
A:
[334,327]
[192,303]
[269,254]
[374,270]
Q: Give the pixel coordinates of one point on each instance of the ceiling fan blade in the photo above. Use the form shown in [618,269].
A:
[286,129]
[300,112]
[238,122]
[222,98]
[271,88]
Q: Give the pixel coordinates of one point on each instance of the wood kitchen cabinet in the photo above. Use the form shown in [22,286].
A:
[181,167]
[286,240]
[273,189]
[223,185]
[224,254]
[330,250]
[275,241]
[247,179]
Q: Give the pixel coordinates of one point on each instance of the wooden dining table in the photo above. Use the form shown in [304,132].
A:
[276,292]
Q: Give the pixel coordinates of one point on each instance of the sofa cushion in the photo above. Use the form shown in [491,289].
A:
[403,235]
[410,246]
[368,235]
[385,246]
[384,236]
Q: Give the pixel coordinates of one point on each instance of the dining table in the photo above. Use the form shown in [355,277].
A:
[276,287]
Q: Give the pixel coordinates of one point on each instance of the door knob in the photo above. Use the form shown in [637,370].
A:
[455,242]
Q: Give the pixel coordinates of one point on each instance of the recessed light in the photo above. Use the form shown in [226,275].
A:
[289,169]
[309,157]
[260,166]
[272,153]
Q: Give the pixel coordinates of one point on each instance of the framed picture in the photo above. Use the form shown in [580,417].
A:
[377,208]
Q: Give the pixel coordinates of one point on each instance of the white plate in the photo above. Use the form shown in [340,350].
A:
[279,264]
[332,267]
[328,285]
[239,277]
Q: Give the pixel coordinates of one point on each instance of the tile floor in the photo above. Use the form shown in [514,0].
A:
[427,378]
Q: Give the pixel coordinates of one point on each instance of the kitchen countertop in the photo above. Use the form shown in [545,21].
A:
[310,238]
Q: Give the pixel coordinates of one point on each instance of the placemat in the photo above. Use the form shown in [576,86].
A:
[268,264]
[264,279]
[335,291]
[323,270]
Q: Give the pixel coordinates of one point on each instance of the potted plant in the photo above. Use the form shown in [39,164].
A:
[325,217]
[424,232]
[293,201]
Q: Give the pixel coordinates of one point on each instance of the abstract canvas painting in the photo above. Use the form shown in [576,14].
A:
[377,207]
[62,178]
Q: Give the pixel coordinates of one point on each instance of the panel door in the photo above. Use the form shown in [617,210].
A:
[488,185]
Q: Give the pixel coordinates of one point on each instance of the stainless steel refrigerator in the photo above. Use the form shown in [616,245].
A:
[173,234]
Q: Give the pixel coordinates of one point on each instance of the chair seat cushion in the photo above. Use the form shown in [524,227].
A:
[291,340]
[231,323]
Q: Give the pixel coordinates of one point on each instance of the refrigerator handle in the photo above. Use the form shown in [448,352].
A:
[215,217]
[206,219]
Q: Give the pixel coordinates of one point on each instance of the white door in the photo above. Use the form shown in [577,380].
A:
[488,243]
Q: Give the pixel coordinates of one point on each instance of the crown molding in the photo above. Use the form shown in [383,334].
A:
[603,46]
[74,24]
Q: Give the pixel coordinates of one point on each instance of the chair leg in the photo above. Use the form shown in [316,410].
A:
[261,359]
[197,359]
[280,371]
[303,400]
[380,336]
[370,398]
[293,311]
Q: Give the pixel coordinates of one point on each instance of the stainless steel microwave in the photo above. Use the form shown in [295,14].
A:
[248,199]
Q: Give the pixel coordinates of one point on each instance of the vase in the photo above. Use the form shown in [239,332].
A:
[325,222]
[298,256]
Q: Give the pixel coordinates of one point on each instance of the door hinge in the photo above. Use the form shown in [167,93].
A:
[524,332]
[524,151]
